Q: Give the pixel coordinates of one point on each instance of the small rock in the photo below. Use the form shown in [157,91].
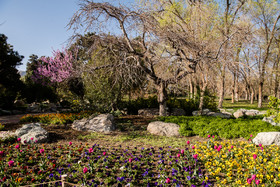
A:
[267,138]
[163,129]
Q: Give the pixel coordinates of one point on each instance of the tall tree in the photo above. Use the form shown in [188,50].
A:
[10,83]
[266,14]
[168,48]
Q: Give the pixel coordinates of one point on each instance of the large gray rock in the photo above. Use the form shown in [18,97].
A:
[101,123]
[267,138]
[32,130]
[163,129]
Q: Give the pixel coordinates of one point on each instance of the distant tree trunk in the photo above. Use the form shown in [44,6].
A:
[246,94]
[201,99]
[276,79]
[252,95]
[233,88]
[162,98]
[260,93]
[191,88]
[222,87]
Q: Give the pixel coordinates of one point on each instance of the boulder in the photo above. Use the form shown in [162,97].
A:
[251,112]
[148,112]
[32,130]
[101,123]
[163,129]
[204,112]
[270,120]
[178,112]
[239,113]
[267,138]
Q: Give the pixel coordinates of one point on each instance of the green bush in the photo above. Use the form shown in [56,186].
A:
[224,128]
[274,105]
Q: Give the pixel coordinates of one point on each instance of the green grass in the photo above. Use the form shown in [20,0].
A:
[243,104]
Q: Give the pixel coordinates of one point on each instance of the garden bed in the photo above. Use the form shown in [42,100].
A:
[132,156]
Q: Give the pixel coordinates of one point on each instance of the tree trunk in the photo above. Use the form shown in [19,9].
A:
[222,87]
[246,94]
[191,89]
[260,94]
[201,99]
[252,96]
[233,88]
[162,98]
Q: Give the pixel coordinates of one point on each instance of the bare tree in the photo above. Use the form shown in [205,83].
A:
[165,50]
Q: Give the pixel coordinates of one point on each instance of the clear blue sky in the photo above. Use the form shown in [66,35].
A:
[38,26]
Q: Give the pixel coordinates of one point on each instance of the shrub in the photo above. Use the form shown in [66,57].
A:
[224,128]
[274,105]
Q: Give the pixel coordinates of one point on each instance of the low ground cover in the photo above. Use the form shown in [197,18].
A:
[223,128]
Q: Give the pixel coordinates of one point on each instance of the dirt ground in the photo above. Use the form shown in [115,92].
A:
[63,134]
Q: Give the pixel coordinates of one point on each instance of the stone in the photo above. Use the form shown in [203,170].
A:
[148,112]
[251,112]
[204,112]
[239,113]
[163,129]
[34,108]
[32,130]
[178,112]
[226,115]
[270,120]
[267,138]
[262,112]
[101,123]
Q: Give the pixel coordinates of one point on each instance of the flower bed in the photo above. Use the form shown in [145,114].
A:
[95,165]
[52,118]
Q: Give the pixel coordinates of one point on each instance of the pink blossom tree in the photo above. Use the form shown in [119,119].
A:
[57,68]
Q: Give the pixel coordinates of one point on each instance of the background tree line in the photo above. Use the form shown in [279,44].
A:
[173,47]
